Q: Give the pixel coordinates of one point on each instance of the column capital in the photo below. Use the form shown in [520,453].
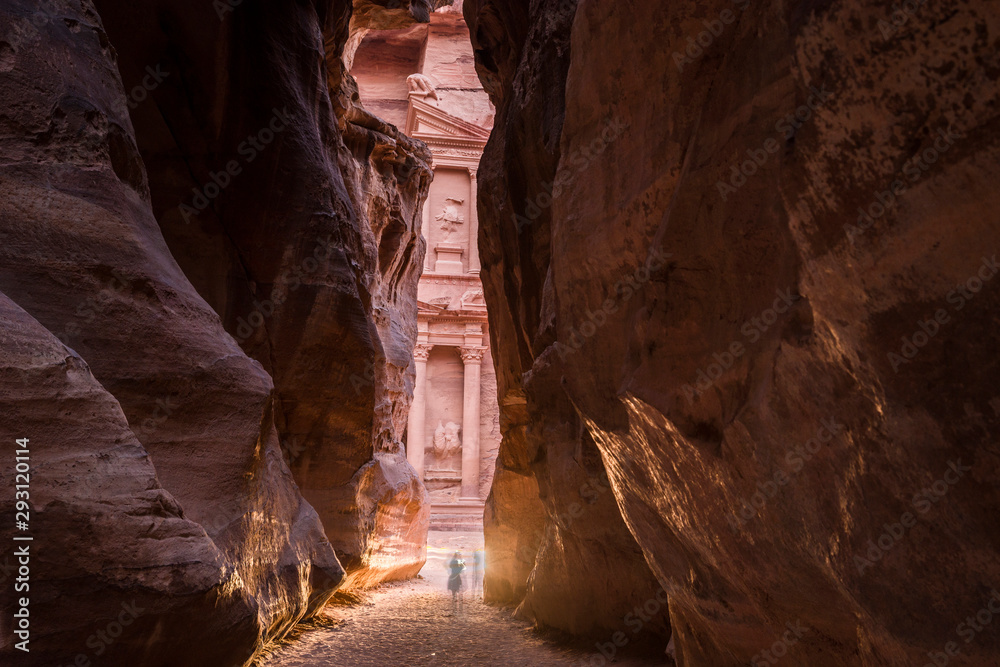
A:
[421,351]
[472,172]
[473,355]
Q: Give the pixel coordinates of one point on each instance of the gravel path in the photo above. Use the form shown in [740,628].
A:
[414,623]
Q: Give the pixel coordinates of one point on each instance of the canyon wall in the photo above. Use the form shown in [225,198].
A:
[556,541]
[115,560]
[295,214]
[168,245]
[186,512]
[742,257]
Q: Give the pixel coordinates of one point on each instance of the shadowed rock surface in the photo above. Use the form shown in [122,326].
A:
[558,546]
[743,334]
[139,560]
[304,244]
[232,543]
[295,213]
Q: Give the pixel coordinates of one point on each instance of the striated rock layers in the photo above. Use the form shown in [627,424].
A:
[762,295]
[295,214]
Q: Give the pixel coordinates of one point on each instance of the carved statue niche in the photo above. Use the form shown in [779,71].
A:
[446,441]
[450,217]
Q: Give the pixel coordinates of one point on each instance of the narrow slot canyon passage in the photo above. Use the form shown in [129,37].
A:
[416,622]
[499,332]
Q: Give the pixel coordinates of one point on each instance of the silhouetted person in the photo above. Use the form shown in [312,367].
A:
[457,566]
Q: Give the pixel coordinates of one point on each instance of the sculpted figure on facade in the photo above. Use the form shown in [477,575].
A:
[438,442]
[446,441]
[421,86]
[451,217]
[473,297]
[451,440]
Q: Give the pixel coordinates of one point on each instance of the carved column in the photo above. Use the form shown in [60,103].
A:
[425,228]
[472,357]
[473,224]
[415,425]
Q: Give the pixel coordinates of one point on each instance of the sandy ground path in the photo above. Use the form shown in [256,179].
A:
[415,623]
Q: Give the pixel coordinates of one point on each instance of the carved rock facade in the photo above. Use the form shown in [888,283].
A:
[454,432]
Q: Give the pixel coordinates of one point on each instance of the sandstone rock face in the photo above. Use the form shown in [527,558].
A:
[550,512]
[296,216]
[218,531]
[793,399]
[139,554]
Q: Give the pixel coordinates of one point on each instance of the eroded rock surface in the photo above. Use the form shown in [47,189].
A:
[219,531]
[550,512]
[793,399]
[295,213]
[140,558]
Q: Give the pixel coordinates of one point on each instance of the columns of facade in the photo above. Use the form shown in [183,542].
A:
[473,224]
[418,409]
[472,358]
[425,230]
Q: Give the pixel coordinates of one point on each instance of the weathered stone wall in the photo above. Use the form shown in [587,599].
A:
[698,309]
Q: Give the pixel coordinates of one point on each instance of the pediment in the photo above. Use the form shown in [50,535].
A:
[434,305]
[429,123]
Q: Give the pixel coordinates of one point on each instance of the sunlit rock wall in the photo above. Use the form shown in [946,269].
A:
[762,295]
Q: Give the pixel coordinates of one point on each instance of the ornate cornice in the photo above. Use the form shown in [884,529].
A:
[453,147]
